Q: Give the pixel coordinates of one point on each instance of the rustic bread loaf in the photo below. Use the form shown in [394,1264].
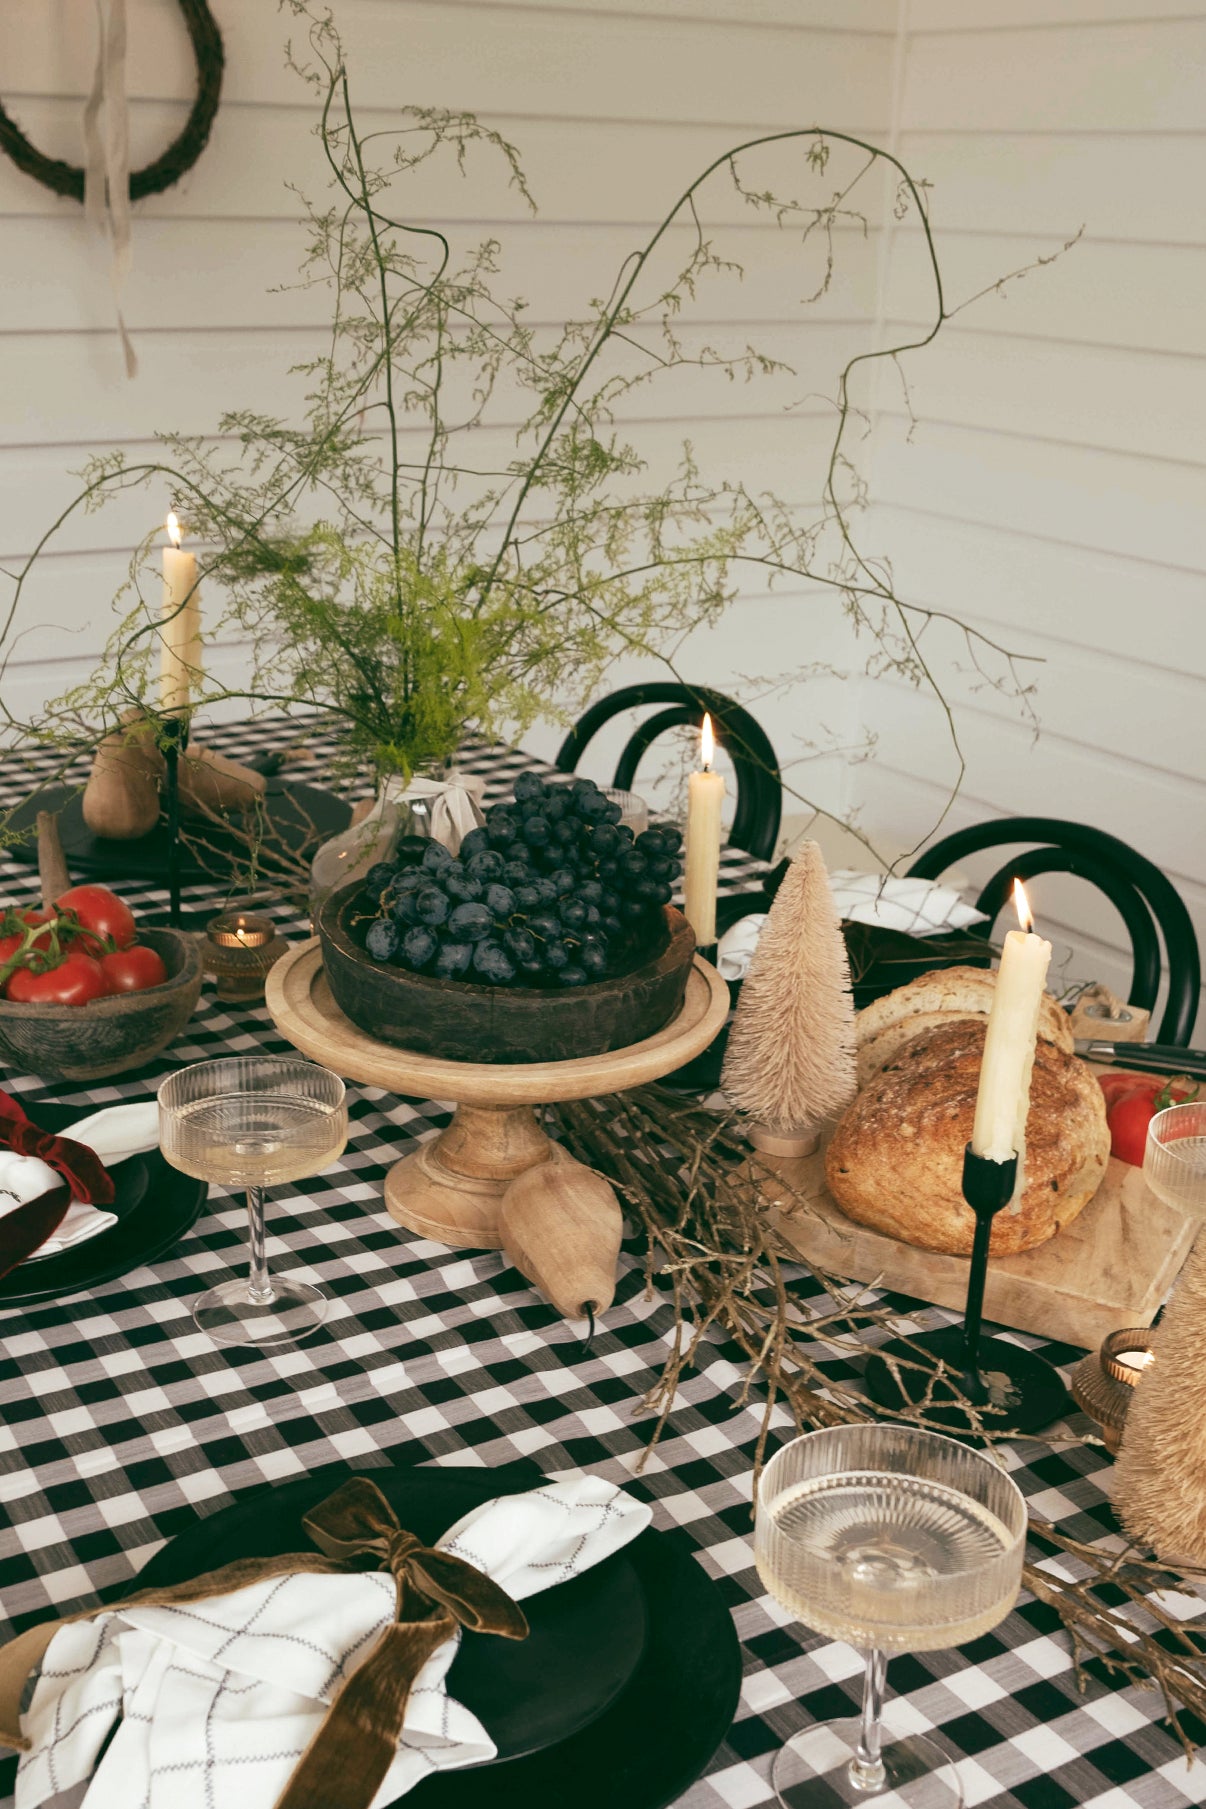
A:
[881,1051]
[896,1158]
[935,999]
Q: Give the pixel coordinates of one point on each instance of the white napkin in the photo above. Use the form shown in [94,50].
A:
[113,1134]
[919,907]
[217,1700]
[735,950]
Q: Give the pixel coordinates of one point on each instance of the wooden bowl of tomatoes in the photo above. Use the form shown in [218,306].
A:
[85,993]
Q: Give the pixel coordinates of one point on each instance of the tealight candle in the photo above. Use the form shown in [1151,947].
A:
[239,949]
[705,797]
[1003,1101]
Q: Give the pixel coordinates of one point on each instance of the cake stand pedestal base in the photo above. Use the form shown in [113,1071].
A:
[492,1179]
[451,1188]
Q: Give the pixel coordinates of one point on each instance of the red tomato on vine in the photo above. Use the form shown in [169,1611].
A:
[133,969]
[76,980]
[107,917]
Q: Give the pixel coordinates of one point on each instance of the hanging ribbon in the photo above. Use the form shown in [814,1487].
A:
[107,156]
[355,1529]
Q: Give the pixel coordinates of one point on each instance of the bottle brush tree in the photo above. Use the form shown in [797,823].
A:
[791,1063]
[1160,1475]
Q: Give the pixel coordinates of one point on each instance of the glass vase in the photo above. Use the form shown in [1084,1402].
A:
[439,801]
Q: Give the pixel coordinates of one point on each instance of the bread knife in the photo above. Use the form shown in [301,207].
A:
[1154,1058]
[27,1227]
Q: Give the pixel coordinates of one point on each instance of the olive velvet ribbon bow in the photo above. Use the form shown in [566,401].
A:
[355,1529]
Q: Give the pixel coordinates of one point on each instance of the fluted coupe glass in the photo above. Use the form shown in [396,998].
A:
[891,1540]
[1174,1162]
[254,1121]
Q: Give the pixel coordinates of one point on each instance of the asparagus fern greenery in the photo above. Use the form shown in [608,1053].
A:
[384,569]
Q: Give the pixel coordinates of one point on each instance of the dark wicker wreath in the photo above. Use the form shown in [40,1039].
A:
[180,156]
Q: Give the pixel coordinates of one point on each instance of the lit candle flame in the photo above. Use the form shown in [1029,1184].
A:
[1021,905]
[707,744]
[173,528]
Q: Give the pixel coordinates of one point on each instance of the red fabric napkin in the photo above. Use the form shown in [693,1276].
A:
[80,1167]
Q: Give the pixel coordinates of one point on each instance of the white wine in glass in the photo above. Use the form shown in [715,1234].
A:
[1174,1161]
[253,1122]
[891,1540]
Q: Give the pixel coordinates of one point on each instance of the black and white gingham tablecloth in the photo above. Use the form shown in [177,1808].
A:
[119,1422]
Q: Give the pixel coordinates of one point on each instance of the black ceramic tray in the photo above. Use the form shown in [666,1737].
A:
[299,817]
[675,1643]
[155,1206]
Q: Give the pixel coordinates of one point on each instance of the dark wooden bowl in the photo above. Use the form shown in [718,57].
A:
[461,1022]
[108,1036]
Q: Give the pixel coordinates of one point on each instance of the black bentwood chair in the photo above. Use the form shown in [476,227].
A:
[1145,899]
[759,784]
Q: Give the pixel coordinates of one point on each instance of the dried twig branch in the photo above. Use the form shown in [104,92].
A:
[684,1174]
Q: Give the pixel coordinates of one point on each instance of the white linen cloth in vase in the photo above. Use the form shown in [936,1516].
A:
[218,1699]
[112,1134]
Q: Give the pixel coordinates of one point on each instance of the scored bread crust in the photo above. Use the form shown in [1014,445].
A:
[895,1162]
[963,991]
[883,1049]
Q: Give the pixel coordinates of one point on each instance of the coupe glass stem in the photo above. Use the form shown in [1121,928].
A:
[259,1282]
[867,1767]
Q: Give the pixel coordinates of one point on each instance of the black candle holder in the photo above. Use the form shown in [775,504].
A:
[176,734]
[173,740]
[1009,1386]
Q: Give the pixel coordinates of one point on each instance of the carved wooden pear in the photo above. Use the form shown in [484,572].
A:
[561,1226]
[121,798]
[212,782]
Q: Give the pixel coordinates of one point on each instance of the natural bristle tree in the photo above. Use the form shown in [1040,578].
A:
[791,1063]
[1160,1476]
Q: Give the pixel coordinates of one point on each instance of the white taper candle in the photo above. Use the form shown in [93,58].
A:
[705,797]
[1003,1101]
[180,625]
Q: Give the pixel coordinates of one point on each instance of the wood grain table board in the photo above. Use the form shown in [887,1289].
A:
[1110,1268]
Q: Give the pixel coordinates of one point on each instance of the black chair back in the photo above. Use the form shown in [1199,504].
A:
[1145,899]
[759,783]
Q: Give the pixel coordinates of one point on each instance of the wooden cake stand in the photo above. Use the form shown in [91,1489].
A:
[452,1187]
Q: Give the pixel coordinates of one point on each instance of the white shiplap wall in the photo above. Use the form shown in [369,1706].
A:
[1054,489]
[614,107]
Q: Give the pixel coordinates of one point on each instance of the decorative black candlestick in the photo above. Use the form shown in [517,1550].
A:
[1010,1386]
[173,739]
[176,733]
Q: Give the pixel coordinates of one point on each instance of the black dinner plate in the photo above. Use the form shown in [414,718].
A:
[155,1205]
[586,1636]
[658,1736]
[641,1752]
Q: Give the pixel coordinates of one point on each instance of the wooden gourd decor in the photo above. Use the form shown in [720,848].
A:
[1160,1476]
[122,797]
[561,1227]
[210,781]
[790,1062]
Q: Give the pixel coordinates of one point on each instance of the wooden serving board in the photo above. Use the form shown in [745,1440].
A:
[1108,1270]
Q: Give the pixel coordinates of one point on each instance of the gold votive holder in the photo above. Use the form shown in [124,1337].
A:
[238,949]
[1104,1382]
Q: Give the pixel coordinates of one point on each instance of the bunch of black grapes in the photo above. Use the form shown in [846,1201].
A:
[554,891]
